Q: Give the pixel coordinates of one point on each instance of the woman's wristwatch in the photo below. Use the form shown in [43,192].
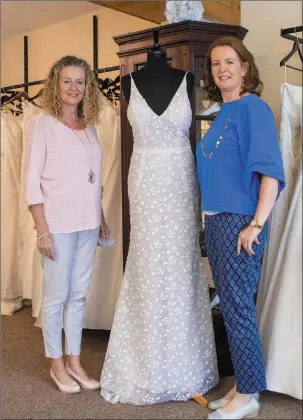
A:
[254,223]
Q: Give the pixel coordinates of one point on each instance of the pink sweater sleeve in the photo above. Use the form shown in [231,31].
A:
[35,155]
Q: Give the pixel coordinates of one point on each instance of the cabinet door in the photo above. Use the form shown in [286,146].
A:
[202,124]
[205,110]
[128,64]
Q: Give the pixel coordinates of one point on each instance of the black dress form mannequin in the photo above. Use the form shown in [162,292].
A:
[157,81]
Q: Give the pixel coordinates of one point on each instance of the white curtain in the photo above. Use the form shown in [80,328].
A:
[11,245]
[279,303]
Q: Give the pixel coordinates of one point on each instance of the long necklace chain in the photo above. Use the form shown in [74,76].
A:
[91,175]
[219,140]
[217,145]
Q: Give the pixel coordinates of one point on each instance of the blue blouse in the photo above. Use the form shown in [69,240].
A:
[240,146]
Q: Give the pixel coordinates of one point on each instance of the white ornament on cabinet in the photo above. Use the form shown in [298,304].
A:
[178,11]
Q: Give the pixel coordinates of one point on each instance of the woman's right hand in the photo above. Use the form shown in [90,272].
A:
[46,246]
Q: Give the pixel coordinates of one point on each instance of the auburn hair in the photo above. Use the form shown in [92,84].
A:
[251,80]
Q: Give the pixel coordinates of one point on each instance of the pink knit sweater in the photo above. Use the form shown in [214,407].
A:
[56,174]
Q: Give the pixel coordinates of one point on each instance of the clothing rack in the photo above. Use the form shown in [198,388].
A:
[95,42]
[39,82]
[26,63]
[21,85]
[26,83]
[285,33]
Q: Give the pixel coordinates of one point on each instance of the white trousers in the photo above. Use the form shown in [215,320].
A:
[66,283]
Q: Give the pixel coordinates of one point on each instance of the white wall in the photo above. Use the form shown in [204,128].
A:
[264,20]
[73,36]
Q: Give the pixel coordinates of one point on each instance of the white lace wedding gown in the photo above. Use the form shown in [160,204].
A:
[161,345]
[279,303]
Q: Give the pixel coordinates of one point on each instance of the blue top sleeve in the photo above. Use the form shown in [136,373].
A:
[258,144]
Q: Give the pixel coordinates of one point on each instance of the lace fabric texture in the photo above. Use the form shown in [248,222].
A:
[161,346]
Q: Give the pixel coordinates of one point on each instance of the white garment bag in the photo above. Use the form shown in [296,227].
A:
[279,303]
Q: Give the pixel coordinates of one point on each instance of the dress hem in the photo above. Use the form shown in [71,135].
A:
[113,398]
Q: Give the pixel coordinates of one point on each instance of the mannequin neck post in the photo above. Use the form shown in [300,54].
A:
[157,62]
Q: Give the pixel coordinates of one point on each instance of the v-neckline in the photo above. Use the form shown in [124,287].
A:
[168,106]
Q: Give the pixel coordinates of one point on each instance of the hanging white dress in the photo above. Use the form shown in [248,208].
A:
[108,269]
[11,155]
[279,303]
[161,345]
[30,271]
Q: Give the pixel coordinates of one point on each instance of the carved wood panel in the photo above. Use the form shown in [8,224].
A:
[224,11]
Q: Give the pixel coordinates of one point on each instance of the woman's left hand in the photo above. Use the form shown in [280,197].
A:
[246,238]
[105,232]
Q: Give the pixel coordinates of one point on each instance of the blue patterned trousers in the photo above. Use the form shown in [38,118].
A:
[236,280]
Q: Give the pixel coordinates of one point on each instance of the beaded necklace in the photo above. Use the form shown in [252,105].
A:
[220,138]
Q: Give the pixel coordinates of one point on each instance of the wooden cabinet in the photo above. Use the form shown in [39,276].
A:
[186,44]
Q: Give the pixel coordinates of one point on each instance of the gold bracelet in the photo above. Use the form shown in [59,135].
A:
[255,223]
[42,236]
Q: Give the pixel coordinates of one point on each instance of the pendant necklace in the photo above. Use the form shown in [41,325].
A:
[91,175]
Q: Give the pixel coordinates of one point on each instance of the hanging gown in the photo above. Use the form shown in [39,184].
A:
[279,303]
[161,345]
[30,271]
[11,155]
[108,268]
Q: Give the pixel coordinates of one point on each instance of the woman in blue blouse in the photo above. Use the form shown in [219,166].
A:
[241,175]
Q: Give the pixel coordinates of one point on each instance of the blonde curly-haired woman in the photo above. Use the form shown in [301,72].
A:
[63,191]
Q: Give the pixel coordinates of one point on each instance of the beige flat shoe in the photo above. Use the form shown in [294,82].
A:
[91,385]
[73,388]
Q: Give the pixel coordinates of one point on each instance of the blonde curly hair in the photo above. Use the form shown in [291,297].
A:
[89,109]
